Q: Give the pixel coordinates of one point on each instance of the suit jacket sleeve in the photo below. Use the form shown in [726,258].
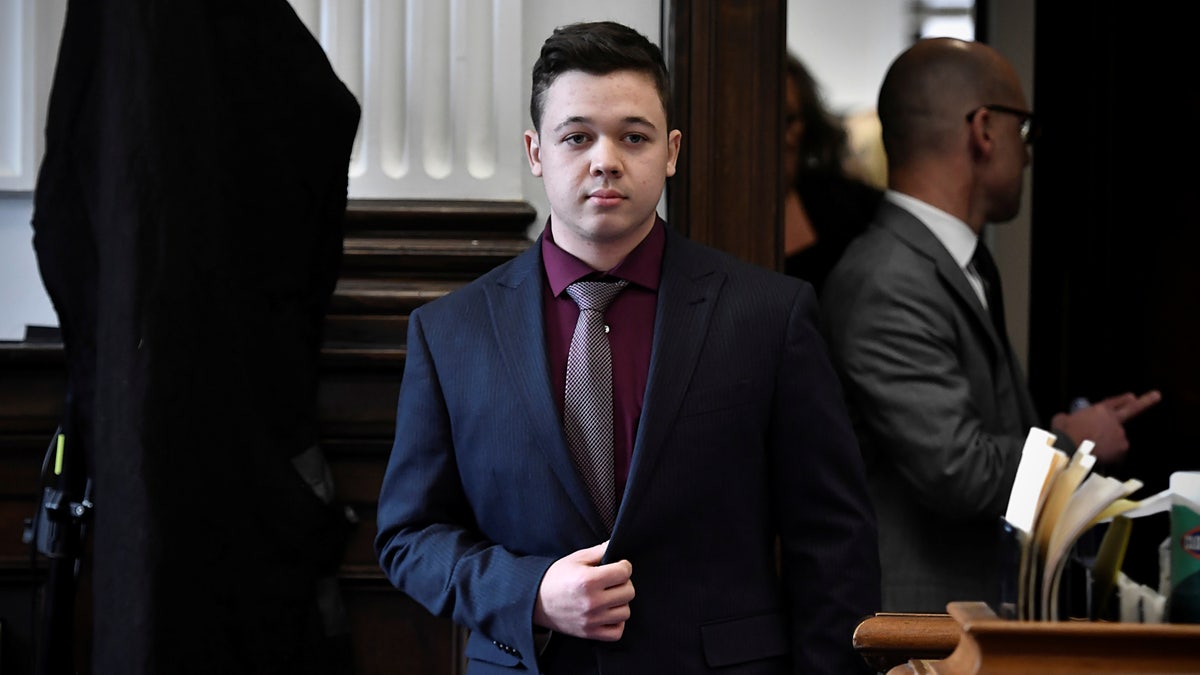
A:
[829,542]
[428,543]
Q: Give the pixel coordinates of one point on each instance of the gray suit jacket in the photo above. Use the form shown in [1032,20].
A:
[743,442]
[940,407]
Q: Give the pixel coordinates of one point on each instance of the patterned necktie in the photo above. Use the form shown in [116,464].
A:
[588,404]
[985,266]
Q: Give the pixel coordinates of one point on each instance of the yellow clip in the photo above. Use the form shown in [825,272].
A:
[58,455]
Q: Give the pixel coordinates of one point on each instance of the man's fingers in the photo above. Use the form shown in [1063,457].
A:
[1136,405]
[590,556]
[610,574]
[615,573]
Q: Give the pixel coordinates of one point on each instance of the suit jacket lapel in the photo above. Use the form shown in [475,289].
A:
[914,233]
[515,301]
[687,295]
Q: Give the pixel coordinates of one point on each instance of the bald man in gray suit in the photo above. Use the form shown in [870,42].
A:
[938,399]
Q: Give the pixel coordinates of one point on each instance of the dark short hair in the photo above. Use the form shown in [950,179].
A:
[596,48]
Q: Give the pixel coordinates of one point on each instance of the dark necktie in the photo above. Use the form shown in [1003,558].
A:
[588,403]
[985,267]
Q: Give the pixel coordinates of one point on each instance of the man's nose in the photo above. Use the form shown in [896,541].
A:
[606,158]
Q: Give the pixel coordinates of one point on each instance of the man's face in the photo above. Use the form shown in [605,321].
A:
[1011,155]
[604,153]
[1012,158]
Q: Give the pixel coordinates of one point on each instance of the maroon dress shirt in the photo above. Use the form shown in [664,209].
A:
[630,318]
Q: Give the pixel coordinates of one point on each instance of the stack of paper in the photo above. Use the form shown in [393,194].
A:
[1054,500]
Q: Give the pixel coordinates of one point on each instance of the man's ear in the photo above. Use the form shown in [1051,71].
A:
[533,152]
[674,140]
[981,131]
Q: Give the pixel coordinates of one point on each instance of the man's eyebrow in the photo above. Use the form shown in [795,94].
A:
[580,119]
[640,121]
[574,119]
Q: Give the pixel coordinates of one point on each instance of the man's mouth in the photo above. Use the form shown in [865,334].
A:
[606,197]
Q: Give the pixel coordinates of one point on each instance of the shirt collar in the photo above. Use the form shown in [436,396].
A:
[958,237]
[642,266]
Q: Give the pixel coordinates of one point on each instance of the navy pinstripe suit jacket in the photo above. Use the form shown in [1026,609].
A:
[743,441]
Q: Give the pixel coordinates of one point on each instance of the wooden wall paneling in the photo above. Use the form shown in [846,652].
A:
[398,255]
[726,58]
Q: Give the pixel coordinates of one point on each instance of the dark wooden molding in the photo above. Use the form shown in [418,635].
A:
[440,218]
[726,59]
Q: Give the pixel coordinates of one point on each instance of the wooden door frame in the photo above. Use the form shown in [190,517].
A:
[726,59]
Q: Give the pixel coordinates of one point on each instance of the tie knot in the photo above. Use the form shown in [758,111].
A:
[595,295]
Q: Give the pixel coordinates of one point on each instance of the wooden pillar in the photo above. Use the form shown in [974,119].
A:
[726,59]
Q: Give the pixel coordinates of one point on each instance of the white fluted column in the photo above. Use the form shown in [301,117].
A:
[439,82]
[29,36]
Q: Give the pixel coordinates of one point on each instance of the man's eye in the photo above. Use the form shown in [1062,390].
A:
[575,139]
[636,138]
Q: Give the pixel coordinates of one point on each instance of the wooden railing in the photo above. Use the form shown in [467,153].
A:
[972,640]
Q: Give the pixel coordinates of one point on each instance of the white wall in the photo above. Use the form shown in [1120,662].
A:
[23,298]
[847,45]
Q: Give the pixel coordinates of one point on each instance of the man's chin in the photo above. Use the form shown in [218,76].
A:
[613,229]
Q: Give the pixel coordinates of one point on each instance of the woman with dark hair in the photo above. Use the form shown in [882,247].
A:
[825,205]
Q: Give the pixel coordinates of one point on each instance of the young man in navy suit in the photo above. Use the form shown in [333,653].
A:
[739,537]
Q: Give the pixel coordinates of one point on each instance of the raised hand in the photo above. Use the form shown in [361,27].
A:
[1103,423]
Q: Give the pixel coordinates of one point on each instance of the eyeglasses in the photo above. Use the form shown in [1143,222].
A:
[1028,126]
